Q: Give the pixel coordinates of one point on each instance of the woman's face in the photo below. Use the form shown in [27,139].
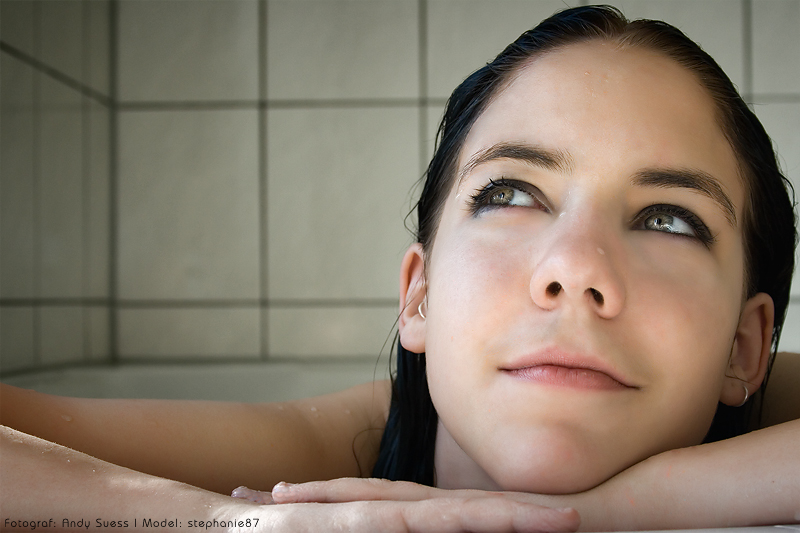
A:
[586,280]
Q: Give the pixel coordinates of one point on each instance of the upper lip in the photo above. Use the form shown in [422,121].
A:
[568,359]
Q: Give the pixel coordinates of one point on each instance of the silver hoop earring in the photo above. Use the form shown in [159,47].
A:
[419,310]
[746,396]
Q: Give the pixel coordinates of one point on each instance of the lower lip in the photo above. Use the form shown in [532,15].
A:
[579,378]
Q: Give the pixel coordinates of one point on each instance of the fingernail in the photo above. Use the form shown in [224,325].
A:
[241,492]
[282,488]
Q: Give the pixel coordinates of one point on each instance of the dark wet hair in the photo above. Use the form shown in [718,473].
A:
[407,447]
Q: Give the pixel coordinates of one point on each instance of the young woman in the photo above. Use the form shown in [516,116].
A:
[605,246]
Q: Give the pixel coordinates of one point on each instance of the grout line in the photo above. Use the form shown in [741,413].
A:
[86,139]
[113,169]
[36,190]
[263,232]
[423,86]
[747,50]
[53,73]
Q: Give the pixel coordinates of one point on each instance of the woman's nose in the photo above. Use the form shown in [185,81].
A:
[576,268]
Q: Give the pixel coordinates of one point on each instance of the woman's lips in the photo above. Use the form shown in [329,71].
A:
[581,378]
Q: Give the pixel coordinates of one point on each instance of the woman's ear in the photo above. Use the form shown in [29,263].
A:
[413,290]
[751,350]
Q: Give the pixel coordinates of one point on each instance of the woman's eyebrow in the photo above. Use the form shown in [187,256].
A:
[689,179]
[555,160]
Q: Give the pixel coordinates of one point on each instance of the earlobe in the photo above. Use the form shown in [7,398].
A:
[413,290]
[751,350]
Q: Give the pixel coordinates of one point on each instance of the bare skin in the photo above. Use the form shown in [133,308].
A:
[199,443]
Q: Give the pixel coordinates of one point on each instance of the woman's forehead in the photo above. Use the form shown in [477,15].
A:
[618,109]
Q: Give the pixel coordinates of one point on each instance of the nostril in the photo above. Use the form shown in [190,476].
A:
[598,297]
[554,288]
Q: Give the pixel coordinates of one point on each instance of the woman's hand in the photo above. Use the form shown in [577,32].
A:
[379,505]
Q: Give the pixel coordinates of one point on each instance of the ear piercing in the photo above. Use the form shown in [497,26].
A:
[419,308]
[746,396]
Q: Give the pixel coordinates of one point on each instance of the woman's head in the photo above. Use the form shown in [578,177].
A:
[769,220]
[546,230]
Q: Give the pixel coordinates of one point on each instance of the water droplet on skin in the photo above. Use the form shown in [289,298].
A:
[67,418]
[280,408]
[313,409]
[601,251]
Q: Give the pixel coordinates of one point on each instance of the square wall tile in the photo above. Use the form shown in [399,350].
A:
[184,50]
[782,122]
[342,49]
[331,331]
[16,338]
[716,25]
[188,204]
[61,333]
[61,190]
[464,35]
[97,212]
[189,332]
[339,185]
[62,36]
[17,181]
[776,42]
[790,336]
[19,22]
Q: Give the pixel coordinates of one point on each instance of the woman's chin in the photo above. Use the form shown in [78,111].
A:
[560,470]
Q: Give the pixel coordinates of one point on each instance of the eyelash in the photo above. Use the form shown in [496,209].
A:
[480,202]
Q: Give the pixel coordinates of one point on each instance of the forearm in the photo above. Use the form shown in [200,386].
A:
[748,480]
[42,479]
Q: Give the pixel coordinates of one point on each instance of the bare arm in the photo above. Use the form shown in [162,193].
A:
[747,480]
[214,445]
[57,487]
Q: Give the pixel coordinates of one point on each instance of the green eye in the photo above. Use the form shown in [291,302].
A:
[675,220]
[506,193]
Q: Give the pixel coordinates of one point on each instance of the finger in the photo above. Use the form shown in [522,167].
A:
[264,498]
[354,489]
[486,514]
[442,515]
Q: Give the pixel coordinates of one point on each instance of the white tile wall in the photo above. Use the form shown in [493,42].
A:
[338,189]
[17,186]
[463,35]
[61,36]
[16,337]
[179,50]
[18,24]
[97,37]
[188,204]
[97,214]
[342,49]
[61,190]
[790,336]
[189,332]
[341,331]
[61,335]
[96,328]
[776,46]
